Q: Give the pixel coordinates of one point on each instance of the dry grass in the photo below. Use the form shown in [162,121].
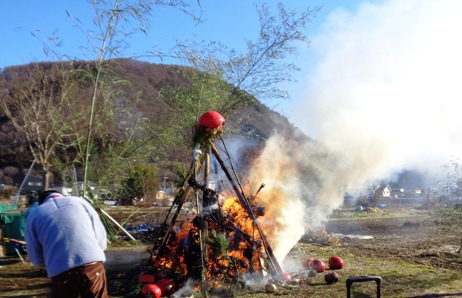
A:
[409,252]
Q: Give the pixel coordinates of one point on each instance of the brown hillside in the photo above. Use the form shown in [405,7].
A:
[138,85]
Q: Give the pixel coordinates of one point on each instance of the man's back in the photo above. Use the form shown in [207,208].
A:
[64,233]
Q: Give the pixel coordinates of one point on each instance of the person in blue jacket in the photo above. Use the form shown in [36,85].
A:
[65,236]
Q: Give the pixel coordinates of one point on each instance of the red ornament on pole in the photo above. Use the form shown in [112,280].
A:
[211,119]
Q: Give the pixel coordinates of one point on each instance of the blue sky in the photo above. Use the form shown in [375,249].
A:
[227,21]
[380,81]
[27,24]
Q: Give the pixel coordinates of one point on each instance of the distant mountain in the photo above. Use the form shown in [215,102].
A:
[142,83]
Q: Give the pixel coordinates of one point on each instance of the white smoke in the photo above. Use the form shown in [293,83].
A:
[300,189]
[384,96]
[187,290]
[386,88]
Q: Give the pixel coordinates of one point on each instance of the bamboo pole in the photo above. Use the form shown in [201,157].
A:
[117,224]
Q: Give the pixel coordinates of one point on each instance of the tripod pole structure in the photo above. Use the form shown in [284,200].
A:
[172,222]
[201,237]
[204,229]
[182,199]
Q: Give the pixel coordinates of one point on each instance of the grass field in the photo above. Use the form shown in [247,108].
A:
[410,250]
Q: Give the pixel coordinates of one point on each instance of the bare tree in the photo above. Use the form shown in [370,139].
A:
[446,199]
[259,71]
[114,23]
[227,81]
[37,103]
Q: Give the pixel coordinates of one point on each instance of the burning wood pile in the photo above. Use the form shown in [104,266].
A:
[223,244]
[230,248]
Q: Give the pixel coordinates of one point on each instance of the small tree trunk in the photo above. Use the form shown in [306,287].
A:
[46,180]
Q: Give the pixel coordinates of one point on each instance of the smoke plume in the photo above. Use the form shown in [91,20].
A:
[384,95]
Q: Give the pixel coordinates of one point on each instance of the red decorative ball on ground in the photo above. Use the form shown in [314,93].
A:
[147,278]
[308,263]
[151,290]
[318,265]
[211,119]
[336,263]
[167,286]
[286,276]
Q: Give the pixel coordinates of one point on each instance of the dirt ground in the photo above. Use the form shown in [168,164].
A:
[418,239]
[410,238]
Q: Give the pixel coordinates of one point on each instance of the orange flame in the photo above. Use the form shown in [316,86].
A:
[243,254]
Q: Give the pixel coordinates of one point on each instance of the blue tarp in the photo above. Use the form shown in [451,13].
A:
[4,207]
[13,225]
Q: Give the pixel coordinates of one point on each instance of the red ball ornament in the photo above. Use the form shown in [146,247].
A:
[335,263]
[147,278]
[211,119]
[308,263]
[286,276]
[318,265]
[151,290]
[167,286]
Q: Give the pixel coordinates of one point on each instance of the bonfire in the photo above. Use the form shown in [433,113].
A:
[224,244]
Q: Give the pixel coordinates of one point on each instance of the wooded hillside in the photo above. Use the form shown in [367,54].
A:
[144,112]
